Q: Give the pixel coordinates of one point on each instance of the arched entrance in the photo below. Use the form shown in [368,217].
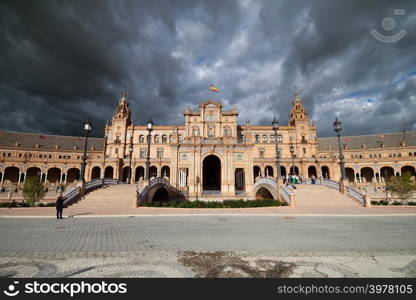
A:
[54,175]
[263,193]
[109,172]
[325,172]
[350,174]
[294,170]
[33,172]
[367,174]
[152,171]
[126,172]
[312,171]
[212,173]
[165,171]
[408,169]
[95,173]
[139,174]
[268,171]
[11,174]
[256,172]
[283,171]
[161,195]
[72,175]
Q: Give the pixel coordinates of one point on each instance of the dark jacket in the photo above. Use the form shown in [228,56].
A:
[60,202]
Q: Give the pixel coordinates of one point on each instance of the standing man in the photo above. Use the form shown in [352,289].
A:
[59,207]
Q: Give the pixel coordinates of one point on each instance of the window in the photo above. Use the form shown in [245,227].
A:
[180,139]
[116,150]
[159,153]
[304,150]
[141,139]
[261,153]
[257,138]
[272,138]
[142,152]
[117,140]
[243,138]
[164,139]
[156,139]
[227,131]
[264,139]
[279,138]
[195,131]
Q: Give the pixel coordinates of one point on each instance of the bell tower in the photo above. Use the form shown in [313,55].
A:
[297,112]
[123,112]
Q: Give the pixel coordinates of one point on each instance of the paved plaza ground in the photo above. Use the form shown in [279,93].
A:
[209,246]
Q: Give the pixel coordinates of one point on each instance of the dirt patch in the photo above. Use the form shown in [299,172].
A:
[222,264]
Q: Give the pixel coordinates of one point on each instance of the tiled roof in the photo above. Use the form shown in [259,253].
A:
[30,140]
[369,141]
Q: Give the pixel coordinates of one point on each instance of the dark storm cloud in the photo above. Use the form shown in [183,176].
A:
[65,61]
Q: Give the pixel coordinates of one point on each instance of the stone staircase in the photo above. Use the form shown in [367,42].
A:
[321,195]
[113,196]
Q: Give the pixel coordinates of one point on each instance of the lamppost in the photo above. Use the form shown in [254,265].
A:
[130,154]
[337,128]
[87,128]
[275,125]
[149,129]
[292,151]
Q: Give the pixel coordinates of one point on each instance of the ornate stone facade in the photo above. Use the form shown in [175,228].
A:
[210,154]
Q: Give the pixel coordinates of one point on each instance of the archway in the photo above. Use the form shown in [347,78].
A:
[72,175]
[239,179]
[325,172]
[109,172]
[152,171]
[350,174]
[368,174]
[283,171]
[165,171]
[161,195]
[263,193]
[126,172]
[95,173]
[54,175]
[256,172]
[11,174]
[33,172]
[312,171]
[268,171]
[409,169]
[139,174]
[212,173]
[294,170]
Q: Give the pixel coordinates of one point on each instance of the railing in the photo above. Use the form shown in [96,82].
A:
[331,183]
[317,181]
[285,193]
[355,194]
[265,180]
[75,193]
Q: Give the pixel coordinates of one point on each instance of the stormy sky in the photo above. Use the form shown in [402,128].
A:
[62,62]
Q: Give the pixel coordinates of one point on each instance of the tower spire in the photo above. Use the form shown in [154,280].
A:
[297,112]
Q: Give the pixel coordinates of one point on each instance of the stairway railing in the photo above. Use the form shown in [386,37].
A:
[75,193]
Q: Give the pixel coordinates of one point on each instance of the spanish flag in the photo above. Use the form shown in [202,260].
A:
[214,88]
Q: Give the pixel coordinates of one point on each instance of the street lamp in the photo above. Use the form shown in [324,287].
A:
[292,151]
[130,154]
[87,128]
[337,128]
[149,129]
[275,125]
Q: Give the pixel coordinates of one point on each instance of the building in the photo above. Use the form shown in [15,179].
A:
[210,154]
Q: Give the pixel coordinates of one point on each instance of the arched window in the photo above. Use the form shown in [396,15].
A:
[141,139]
[257,138]
[156,139]
[272,138]
[170,139]
[179,139]
[279,138]
[164,139]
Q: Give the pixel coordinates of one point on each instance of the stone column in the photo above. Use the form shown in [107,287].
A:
[2,178]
